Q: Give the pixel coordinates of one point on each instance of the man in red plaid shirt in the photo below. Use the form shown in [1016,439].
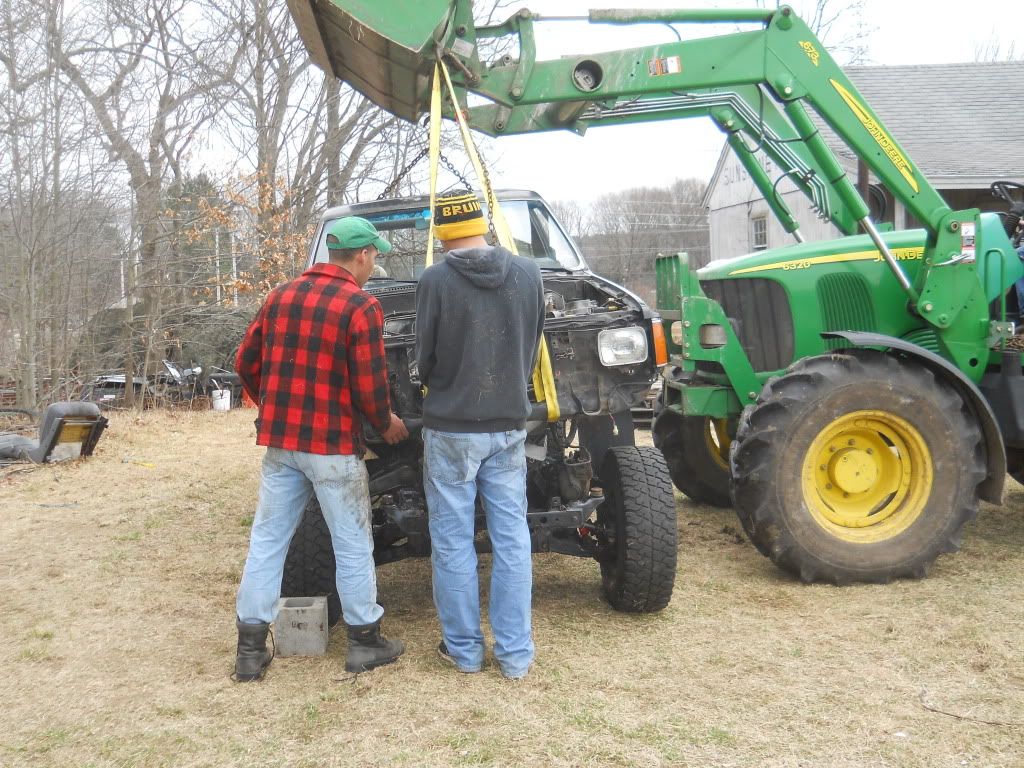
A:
[313,361]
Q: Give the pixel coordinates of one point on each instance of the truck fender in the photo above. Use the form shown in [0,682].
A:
[991,489]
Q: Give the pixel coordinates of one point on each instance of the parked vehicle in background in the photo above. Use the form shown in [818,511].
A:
[170,387]
[108,390]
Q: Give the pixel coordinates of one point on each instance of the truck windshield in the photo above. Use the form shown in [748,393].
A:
[536,235]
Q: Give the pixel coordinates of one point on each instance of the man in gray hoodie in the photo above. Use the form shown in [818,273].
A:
[479,320]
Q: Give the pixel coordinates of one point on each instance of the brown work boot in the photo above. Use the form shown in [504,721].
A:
[368,649]
[252,657]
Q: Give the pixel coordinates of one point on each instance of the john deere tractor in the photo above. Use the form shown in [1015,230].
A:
[852,399]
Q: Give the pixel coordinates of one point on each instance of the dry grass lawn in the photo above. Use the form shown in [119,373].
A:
[117,583]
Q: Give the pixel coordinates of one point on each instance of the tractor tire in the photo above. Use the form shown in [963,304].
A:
[638,569]
[309,569]
[857,466]
[696,450]
[1015,464]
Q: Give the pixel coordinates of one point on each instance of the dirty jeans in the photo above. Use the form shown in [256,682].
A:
[287,481]
[457,466]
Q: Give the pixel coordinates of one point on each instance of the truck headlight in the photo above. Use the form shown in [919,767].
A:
[622,346]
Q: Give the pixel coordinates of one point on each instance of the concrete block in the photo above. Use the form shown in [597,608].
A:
[301,626]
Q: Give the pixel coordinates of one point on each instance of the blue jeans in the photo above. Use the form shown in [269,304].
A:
[457,466]
[287,481]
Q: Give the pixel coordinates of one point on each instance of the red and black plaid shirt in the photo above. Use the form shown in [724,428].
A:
[313,360]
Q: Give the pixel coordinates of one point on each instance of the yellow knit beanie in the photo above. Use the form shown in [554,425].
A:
[458,215]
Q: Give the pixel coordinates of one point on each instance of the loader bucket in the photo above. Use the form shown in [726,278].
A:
[385,50]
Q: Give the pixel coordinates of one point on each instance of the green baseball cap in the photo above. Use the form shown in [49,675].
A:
[355,232]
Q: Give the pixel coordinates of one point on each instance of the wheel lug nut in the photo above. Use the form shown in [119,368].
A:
[822,467]
[870,451]
[828,486]
[850,442]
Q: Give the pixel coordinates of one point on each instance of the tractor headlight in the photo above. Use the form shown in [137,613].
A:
[622,346]
[676,330]
[713,336]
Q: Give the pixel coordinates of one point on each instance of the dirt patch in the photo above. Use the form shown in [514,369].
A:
[117,583]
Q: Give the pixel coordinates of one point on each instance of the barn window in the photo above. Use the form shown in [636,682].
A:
[759,233]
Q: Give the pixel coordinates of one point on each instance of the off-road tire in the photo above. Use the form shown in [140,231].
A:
[638,570]
[775,434]
[692,467]
[309,568]
[1015,464]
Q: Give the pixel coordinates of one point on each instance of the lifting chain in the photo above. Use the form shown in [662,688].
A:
[488,190]
[412,164]
[455,172]
[489,193]
[403,173]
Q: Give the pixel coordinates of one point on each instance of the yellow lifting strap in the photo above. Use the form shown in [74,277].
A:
[435,153]
[543,376]
[544,381]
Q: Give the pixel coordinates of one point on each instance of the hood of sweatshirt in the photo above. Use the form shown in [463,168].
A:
[486,266]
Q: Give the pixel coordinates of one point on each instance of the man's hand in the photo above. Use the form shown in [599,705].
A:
[396,431]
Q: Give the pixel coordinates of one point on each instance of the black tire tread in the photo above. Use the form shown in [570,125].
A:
[771,418]
[643,583]
[309,568]
[692,470]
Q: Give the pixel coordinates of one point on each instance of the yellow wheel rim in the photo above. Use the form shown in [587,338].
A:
[867,476]
[716,436]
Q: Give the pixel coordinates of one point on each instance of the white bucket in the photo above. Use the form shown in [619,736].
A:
[220,399]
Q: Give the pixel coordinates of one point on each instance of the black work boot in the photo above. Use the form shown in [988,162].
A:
[252,657]
[367,649]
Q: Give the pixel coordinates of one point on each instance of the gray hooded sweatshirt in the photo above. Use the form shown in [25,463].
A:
[479,319]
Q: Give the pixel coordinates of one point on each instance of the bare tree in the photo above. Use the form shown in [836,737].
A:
[841,27]
[112,250]
[152,80]
[629,229]
[993,50]
[301,139]
[839,24]
[50,181]
[574,217]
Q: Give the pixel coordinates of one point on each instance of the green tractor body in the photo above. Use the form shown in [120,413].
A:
[809,335]
[776,306]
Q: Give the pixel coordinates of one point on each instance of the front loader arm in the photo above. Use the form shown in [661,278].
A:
[784,63]
[761,87]
[749,118]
